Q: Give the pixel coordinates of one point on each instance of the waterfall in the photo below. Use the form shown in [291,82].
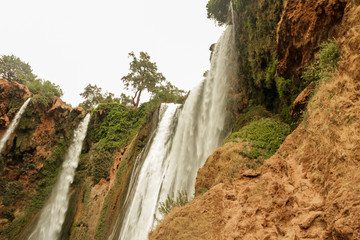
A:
[13,124]
[53,214]
[173,164]
[140,211]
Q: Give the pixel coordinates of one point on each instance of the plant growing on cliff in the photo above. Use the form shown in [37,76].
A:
[171,202]
[265,137]
[218,10]
[93,96]
[326,62]
[13,69]
[44,91]
[143,76]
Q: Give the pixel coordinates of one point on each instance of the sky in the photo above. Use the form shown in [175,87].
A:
[76,42]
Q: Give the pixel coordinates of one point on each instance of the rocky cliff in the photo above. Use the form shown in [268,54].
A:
[32,156]
[309,189]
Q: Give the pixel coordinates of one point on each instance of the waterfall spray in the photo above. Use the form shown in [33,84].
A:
[53,214]
[13,124]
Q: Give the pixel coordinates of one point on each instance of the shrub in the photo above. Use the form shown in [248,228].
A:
[171,202]
[326,62]
[265,137]
[249,115]
[218,10]
[13,190]
[44,91]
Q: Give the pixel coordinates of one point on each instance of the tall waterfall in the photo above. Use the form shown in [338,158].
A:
[53,214]
[13,124]
[172,165]
[143,204]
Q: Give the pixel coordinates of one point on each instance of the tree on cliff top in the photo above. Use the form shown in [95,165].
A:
[218,10]
[143,76]
[93,96]
[13,69]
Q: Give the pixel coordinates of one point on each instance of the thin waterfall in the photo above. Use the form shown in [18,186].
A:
[53,214]
[13,124]
[200,129]
[141,208]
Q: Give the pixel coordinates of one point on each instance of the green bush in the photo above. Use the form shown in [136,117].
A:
[44,91]
[326,62]
[112,131]
[13,190]
[218,10]
[265,137]
[249,115]
[102,161]
[171,202]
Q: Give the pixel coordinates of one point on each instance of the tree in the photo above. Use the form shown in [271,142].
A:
[92,95]
[125,99]
[218,10]
[13,69]
[143,75]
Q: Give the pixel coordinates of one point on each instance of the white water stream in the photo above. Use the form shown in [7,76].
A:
[53,214]
[13,124]
[176,155]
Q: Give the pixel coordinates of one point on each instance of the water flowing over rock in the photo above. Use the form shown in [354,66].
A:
[144,192]
[53,214]
[199,131]
[13,124]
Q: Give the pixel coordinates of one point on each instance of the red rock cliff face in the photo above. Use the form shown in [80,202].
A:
[32,156]
[303,26]
[310,188]
[8,92]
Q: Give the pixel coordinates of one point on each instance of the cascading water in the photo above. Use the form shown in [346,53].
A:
[143,203]
[53,214]
[13,124]
[199,131]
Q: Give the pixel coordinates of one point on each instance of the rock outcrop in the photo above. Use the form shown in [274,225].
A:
[303,26]
[33,155]
[12,95]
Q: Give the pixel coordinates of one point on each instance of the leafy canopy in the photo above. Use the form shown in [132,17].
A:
[93,96]
[13,69]
[326,62]
[143,76]
[218,10]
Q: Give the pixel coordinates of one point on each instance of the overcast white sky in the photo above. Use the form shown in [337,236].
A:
[76,42]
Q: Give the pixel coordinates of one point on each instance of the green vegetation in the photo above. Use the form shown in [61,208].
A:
[12,191]
[249,115]
[265,137]
[218,10]
[257,49]
[13,69]
[93,96]
[111,131]
[326,62]
[201,190]
[171,202]
[44,91]
[144,76]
